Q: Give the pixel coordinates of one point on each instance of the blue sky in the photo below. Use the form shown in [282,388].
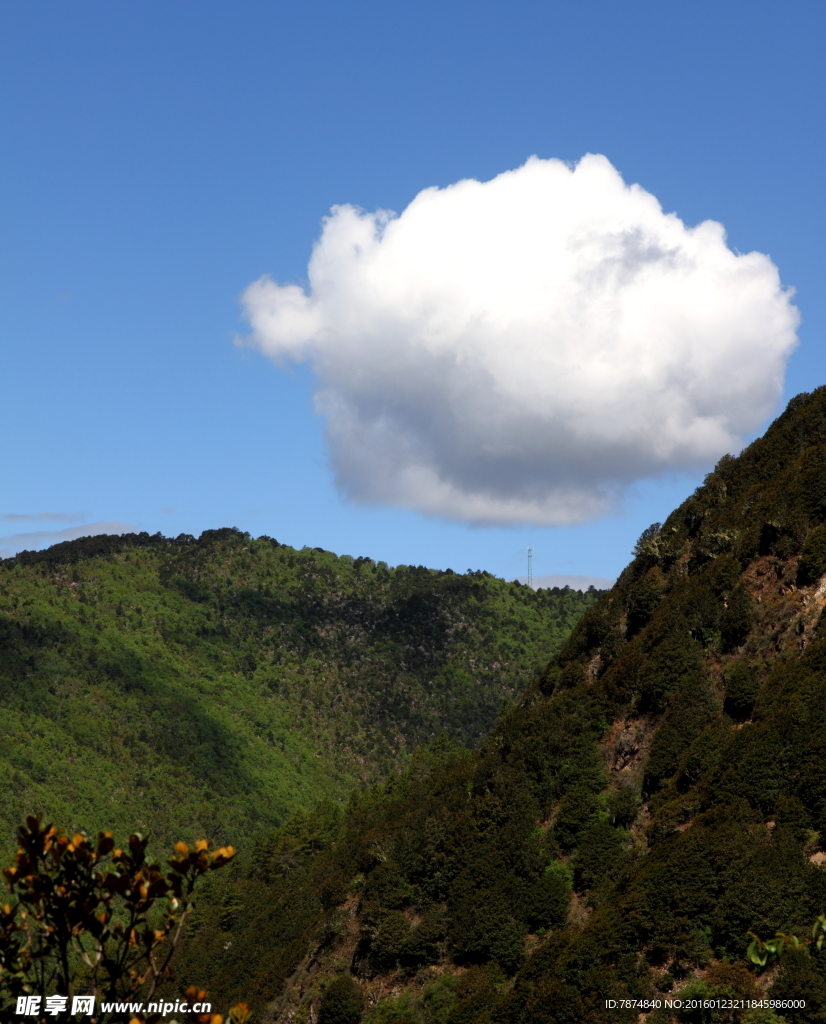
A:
[159,158]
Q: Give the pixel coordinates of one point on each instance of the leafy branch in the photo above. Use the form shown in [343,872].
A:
[760,950]
[92,917]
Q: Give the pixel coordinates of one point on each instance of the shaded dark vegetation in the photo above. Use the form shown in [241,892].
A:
[657,793]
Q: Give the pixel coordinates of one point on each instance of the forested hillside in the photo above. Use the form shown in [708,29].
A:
[656,795]
[212,686]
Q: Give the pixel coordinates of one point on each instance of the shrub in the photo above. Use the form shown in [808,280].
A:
[742,685]
[644,598]
[89,917]
[342,1002]
[548,901]
[690,709]
[623,804]
[736,619]
[390,941]
[813,560]
[576,809]
[600,847]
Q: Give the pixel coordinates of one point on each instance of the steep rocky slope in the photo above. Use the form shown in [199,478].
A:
[656,795]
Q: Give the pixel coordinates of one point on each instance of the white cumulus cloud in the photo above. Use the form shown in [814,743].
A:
[522,349]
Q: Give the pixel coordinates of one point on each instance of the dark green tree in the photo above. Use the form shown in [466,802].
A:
[736,619]
[742,685]
[342,1002]
[813,560]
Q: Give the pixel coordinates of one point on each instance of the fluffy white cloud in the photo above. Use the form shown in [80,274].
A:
[520,350]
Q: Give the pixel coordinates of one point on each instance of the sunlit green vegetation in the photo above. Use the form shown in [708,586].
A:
[214,686]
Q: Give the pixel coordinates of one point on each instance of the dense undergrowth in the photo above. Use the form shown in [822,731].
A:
[214,686]
[657,794]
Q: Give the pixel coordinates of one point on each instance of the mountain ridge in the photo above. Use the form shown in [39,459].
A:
[215,686]
[657,794]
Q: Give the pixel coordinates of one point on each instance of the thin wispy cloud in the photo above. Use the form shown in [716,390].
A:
[35,517]
[522,350]
[39,539]
[574,582]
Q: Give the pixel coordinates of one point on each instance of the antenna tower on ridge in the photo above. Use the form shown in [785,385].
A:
[530,567]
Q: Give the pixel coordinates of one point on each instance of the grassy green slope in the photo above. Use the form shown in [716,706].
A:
[658,793]
[212,686]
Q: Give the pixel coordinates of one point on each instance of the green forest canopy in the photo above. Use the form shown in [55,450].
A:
[212,687]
